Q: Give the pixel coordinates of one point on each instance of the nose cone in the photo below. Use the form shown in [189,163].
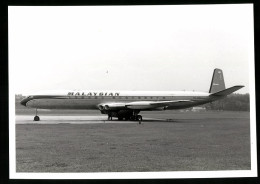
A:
[24,101]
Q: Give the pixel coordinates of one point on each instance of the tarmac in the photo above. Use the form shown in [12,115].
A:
[203,141]
[45,119]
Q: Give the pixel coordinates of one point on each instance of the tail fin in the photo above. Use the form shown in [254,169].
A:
[217,82]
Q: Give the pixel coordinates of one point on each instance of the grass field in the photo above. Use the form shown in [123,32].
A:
[173,141]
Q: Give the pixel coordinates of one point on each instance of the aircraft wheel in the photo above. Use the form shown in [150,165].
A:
[36,118]
[139,118]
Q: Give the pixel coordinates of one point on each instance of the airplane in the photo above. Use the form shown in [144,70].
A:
[126,105]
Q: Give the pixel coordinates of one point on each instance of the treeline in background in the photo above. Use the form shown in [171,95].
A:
[233,102]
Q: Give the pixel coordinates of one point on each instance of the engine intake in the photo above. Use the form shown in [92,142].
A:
[101,107]
[112,106]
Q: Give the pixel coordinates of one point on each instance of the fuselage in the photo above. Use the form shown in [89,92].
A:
[92,99]
[127,104]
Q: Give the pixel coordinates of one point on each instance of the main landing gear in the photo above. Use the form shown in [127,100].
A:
[125,115]
[109,117]
[36,118]
[137,117]
[132,118]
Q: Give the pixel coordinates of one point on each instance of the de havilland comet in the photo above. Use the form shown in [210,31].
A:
[128,104]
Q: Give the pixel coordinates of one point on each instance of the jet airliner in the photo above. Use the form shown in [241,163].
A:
[126,105]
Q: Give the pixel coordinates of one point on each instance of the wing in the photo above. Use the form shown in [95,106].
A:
[143,105]
[155,104]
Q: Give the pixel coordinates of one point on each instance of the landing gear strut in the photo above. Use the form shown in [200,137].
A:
[136,117]
[125,115]
[109,117]
[139,118]
[36,118]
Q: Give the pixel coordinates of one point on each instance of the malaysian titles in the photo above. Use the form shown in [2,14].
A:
[92,94]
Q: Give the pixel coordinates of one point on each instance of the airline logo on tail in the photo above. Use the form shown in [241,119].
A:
[217,82]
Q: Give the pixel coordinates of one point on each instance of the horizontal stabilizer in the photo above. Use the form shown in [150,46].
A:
[227,91]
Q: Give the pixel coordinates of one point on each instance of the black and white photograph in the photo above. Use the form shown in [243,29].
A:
[131,92]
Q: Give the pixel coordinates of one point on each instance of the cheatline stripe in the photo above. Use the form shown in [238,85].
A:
[24,101]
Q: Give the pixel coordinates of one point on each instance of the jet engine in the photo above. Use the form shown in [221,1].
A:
[112,106]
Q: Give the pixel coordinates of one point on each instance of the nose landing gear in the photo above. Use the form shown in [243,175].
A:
[36,118]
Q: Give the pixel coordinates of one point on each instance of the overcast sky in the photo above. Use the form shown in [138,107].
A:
[129,47]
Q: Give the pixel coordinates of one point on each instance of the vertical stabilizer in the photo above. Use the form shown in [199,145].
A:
[217,82]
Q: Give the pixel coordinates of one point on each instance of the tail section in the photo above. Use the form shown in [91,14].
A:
[227,91]
[217,82]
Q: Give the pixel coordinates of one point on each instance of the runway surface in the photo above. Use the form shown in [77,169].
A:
[163,142]
[26,119]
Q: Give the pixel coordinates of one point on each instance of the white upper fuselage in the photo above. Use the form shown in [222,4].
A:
[92,99]
[120,93]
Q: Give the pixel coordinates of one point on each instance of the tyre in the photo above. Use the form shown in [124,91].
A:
[36,118]
[139,118]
